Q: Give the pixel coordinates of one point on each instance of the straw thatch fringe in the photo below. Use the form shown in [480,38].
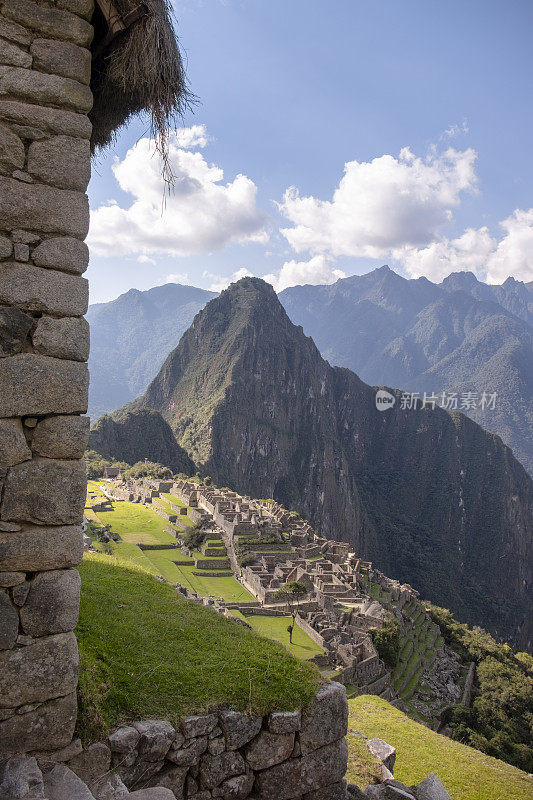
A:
[141,69]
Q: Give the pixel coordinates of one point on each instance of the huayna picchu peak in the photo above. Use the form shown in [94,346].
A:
[426,494]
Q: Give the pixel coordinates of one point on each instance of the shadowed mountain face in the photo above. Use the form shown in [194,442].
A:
[428,495]
[130,338]
[136,437]
[460,336]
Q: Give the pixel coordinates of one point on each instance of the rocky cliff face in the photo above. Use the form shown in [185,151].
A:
[428,495]
[459,336]
[136,436]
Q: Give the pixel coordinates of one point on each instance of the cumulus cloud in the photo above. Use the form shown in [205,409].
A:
[381,205]
[221,282]
[317,270]
[201,214]
[178,277]
[195,136]
[144,259]
[514,252]
[492,260]
[467,252]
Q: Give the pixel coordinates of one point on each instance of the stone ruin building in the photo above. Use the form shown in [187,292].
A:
[338,613]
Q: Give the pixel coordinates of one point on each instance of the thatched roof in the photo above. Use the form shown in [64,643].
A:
[137,66]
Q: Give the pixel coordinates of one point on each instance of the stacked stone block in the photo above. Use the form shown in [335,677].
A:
[296,755]
[45,69]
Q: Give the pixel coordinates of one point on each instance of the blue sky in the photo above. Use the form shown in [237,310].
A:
[289,93]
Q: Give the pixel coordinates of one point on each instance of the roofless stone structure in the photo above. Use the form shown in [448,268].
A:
[53,55]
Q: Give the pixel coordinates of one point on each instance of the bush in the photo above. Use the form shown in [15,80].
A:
[245,559]
[95,464]
[193,538]
[500,720]
[387,641]
[148,469]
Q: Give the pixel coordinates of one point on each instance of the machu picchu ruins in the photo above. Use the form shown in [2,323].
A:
[264,546]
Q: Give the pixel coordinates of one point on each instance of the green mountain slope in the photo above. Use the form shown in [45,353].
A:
[137,437]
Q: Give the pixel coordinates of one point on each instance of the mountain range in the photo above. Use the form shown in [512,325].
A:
[131,337]
[459,336]
[427,494]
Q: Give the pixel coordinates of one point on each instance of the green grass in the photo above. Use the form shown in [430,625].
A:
[135,523]
[226,587]
[94,489]
[363,767]
[276,628]
[146,652]
[173,499]
[466,773]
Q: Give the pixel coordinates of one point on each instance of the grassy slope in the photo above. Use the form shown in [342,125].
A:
[466,773]
[276,628]
[147,652]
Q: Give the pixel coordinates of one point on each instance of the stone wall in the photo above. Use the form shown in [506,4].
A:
[45,67]
[282,756]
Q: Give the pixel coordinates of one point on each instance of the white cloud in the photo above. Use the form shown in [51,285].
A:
[178,277]
[455,130]
[381,205]
[195,136]
[221,282]
[492,260]
[201,214]
[467,252]
[295,273]
[514,253]
[144,259]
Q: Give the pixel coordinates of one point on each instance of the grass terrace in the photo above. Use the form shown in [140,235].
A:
[136,523]
[466,773]
[275,628]
[146,652]
[225,587]
[171,498]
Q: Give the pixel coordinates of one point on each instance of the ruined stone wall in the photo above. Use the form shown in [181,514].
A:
[45,67]
[282,756]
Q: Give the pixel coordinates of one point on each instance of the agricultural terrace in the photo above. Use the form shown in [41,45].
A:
[138,524]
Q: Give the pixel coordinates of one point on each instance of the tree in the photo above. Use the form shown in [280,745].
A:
[148,469]
[292,594]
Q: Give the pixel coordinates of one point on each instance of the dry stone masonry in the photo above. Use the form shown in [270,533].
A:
[227,755]
[45,69]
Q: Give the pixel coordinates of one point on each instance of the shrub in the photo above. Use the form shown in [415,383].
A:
[193,538]
[387,641]
[245,559]
[499,722]
[148,469]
